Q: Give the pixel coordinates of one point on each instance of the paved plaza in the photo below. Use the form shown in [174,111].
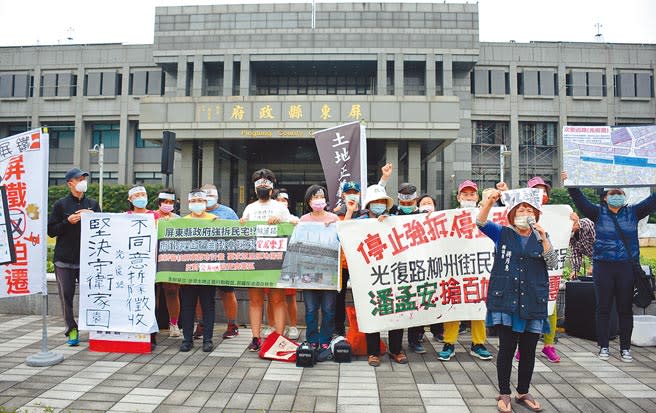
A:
[232,379]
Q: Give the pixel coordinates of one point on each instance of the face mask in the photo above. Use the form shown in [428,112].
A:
[81,186]
[197,207]
[262,193]
[522,222]
[166,208]
[140,202]
[545,199]
[427,208]
[407,209]
[352,197]
[377,209]
[211,202]
[318,205]
[617,200]
[467,204]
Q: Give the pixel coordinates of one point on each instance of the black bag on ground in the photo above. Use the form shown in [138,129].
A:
[341,350]
[643,293]
[305,355]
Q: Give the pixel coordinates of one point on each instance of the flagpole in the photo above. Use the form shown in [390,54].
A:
[44,358]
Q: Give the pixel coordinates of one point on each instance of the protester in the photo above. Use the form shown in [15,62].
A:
[376,205]
[316,201]
[64,224]
[166,202]
[518,291]
[226,293]
[189,294]
[616,225]
[267,210]
[467,197]
[580,244]
[407,196]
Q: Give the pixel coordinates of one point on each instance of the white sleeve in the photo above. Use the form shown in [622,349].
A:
[283,213]
[246,213]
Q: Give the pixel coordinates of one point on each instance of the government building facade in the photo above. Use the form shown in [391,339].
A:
[244,86]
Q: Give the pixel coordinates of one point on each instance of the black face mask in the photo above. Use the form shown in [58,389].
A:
[262,193]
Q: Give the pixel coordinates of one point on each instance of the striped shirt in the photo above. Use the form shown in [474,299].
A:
[580,244]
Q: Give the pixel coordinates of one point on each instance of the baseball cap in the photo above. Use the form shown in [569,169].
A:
[350,185]
[75,173]
[467,184]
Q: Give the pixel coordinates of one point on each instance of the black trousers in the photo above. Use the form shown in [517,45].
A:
[340,305]
[395,339]
[508,342]
[66,279]
[188,296]
[613,280]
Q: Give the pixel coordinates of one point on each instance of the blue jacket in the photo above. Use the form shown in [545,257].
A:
[608,244]
[519,279]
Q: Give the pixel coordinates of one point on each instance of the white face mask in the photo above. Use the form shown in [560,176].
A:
[467,204]
[81,186]
[522,222]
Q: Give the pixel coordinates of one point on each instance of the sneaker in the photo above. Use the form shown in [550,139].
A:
[265,331]
[448,351]
[292,333]
[439,338]
[517,355]
[417,348]
[479,350]
[551,354]
[626,356]
[186,346]
[231,332]
[255,345]
[174,331]
[208,346]
[604,353]
[73,338]
[421,338]
[199,331]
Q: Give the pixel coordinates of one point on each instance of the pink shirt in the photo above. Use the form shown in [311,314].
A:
[326,217]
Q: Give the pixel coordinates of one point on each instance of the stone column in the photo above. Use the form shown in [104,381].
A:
[381,81]
[391,155]
[244,75]
[182,76]
[414,165]
[398,74]
[447,74]
[227,75]
[430,74]
[197,86]
[207,172]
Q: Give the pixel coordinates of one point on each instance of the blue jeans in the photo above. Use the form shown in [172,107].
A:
[315,299]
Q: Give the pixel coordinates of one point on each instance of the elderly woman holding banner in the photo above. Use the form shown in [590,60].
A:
[519,285]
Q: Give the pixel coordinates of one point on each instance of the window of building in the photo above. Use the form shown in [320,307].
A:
[213,79]
[105,133]
[581,83]
[634,84]
[491,132]
[147,178]
[236,78]
[537,83]
[61,136]
[390,77]
[102,83]
[146,82]
[490,82]
[414,78]
[109,177]
[58,84]
[439,79]
[142,143]
[18,128]
[538,133]
[16,85]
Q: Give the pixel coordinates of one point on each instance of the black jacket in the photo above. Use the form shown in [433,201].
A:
[67,248]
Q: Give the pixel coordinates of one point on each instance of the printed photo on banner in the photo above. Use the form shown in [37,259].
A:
[422,269]
[23,169]
[601,156]
[312,258]
[117,273]
[224,252]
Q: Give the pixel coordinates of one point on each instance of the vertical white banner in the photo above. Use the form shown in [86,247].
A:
[24,174]
[117,273]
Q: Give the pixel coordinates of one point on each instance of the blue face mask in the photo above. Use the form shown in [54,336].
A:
[211,202]
[616,200]
[197,207]
[140,202]
[377,209]
[352,197]
[407,209]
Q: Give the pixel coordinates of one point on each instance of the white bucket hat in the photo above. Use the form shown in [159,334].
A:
[375,193]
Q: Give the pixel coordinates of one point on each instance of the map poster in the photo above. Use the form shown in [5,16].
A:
[601,156]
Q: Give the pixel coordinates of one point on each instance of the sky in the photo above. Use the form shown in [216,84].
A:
[43,22]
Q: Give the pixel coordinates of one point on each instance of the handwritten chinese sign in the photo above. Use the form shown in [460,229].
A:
[117,273]
[23,169]
[343,154]
[421,269]
[222,252]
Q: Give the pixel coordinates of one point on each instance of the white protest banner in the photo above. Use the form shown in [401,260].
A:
[24,169]
[117,273]
[605,156]
[422,269]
